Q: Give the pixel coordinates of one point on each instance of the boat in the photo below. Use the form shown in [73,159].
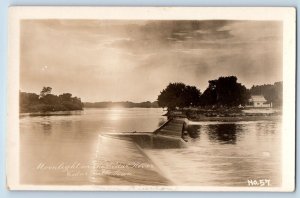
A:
[167,136]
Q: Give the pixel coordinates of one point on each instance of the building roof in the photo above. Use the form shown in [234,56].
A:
[257,98]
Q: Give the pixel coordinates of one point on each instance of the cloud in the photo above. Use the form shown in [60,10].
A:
[133,60]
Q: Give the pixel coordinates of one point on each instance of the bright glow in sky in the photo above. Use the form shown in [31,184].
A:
[134,60]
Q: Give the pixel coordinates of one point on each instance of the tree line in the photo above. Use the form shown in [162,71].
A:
[126,104]
[221,92]
[45,101]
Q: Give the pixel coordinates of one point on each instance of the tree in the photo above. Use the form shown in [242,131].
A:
[272,93]
[225,91]
[190,96]
[45,91]
[209,96]
[65,97]
[31,102]
[28,100]
[178,95]
[50,99]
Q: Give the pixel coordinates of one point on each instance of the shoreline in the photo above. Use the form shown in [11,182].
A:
[67,112]
[236,119]
[225,115]
[52,113]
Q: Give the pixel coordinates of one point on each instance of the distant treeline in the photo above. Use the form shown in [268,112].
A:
[221,92]
[126,104]
[46,102]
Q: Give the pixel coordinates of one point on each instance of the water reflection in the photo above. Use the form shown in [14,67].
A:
[56,113]
[219,154]
[115,114]
[193,131]
[225,154]
[161,122]
[223,133]
[47,126]
[72,138]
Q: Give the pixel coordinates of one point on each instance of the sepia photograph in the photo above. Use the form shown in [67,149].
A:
[155,99]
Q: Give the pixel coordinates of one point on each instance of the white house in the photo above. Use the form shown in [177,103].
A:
[258,101]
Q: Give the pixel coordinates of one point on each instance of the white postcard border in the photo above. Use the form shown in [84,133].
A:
[287,15]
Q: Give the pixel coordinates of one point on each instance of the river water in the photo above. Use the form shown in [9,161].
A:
[219,154]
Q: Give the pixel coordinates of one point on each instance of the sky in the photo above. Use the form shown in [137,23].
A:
[119,60]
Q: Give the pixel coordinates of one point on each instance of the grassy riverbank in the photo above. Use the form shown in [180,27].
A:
[226,114]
